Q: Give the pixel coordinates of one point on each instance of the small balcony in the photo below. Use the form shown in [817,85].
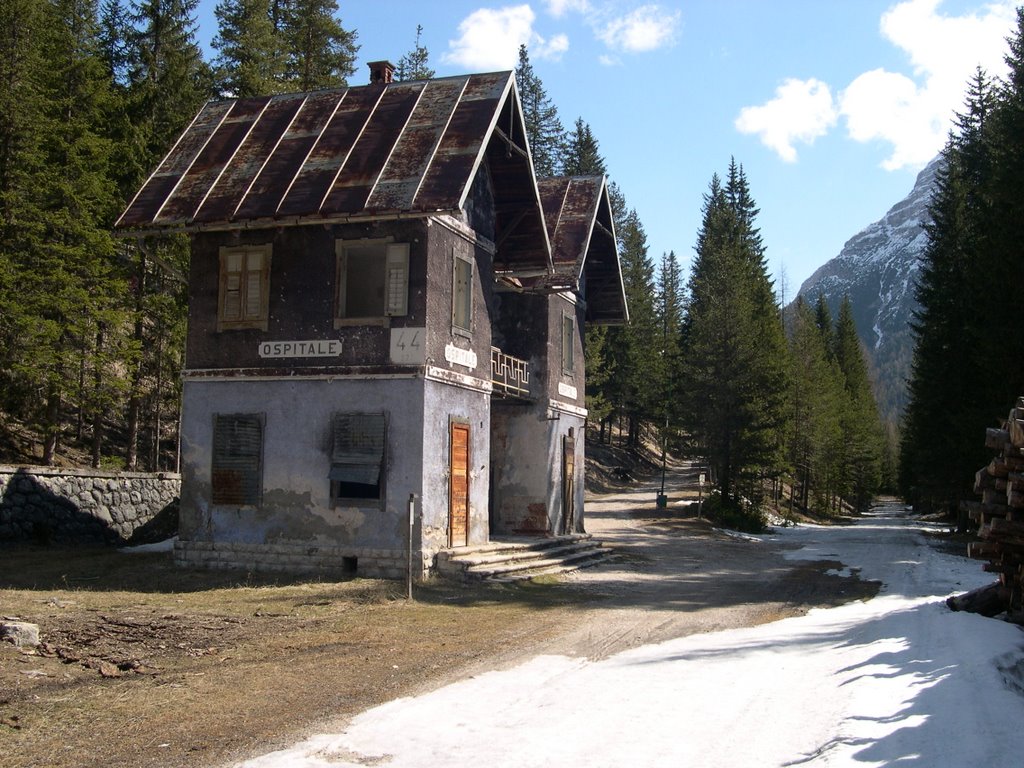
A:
[509,375]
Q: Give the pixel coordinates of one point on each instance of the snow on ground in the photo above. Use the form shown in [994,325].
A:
[896,680]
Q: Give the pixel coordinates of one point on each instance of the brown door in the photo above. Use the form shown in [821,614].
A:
[568,484]
[458,493]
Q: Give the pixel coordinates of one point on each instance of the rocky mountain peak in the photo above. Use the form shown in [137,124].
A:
[877,269]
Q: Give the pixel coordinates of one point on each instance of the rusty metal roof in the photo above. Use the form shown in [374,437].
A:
[367,152]
[578,216]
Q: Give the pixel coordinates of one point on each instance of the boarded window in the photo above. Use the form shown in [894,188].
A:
[244,287]
[373,280]
[462,295]
[568,344]
[357,456]
[236,475]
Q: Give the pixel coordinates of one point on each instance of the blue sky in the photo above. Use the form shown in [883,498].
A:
[831,106]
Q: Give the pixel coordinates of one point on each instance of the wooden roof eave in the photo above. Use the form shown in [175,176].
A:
[274,223]
[512,91]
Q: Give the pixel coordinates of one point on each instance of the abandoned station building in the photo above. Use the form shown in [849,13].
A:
[384,302]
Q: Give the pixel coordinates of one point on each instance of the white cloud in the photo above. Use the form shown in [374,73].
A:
[801,111]
[559,8]
[646,29]
[913,114]
[490,39]
[609,61]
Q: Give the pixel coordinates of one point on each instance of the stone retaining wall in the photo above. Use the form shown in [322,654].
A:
[44,505]
[293,558]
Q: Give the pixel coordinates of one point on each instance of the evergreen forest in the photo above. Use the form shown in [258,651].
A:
[968,364]
[777,408]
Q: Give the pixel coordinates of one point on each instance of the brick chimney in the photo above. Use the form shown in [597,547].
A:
[381,72]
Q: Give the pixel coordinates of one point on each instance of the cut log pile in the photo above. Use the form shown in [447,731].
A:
[1000,519]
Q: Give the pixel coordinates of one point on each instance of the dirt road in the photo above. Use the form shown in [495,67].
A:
[675,575]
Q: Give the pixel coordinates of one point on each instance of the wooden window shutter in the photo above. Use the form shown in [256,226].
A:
[237,457]
[358,438]
[396,280]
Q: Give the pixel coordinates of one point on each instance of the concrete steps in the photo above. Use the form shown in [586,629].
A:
[520,559]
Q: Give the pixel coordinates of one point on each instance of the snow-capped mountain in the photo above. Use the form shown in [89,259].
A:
[877,268]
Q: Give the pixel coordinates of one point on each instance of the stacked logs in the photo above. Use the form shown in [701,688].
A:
[1000,519]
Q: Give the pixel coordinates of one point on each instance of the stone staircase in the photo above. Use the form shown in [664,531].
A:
[520,559]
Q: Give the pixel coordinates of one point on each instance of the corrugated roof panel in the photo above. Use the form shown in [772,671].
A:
[146,205]
[449,173]
[397,186]
[321,167]
[202,175]
[579,208]
[247,161]
[353,185]
[284,162]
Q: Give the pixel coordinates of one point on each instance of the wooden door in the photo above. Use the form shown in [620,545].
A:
[458,486]
[568,484]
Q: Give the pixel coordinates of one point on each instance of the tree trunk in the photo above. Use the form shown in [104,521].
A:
[97,408]
[135,400]
[52,425]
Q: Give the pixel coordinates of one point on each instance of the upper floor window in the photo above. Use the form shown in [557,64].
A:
[244,287]
[462,295]
[372,281]
[568,344]
[236,475]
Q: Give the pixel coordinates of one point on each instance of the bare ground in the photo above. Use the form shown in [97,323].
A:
[145,664]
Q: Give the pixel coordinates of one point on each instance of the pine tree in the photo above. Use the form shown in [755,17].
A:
[734,371]
[170,82]
[634,349]
[320,52]
[582,155]
[858,416]
[544,129]
[814,436]
[940,447]
[414,64]
[250,61]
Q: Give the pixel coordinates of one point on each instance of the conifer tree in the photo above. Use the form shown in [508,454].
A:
[414,65]
[858,416]
[320,52]
[814,436]
[544,129]
[582,155]
[940,448]
[734,370]
[634,349]
[250,61]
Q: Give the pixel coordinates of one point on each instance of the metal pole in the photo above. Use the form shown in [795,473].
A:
[408,570]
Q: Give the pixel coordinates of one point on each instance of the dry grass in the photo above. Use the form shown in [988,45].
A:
[146,664]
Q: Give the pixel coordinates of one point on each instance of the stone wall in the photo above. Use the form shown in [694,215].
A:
[44,505]
[325,561]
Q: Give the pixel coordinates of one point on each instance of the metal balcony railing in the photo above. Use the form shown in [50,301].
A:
[509,375]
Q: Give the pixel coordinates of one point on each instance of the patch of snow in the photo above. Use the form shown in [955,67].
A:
[167,545]
[898,679]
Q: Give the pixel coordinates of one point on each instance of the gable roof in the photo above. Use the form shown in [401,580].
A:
[578,216]
[361,153]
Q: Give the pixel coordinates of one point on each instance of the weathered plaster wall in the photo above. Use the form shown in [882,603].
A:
[526,461]
[442,403]
[69,506]
[295,513]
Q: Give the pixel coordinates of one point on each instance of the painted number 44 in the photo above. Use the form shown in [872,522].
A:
[407,345]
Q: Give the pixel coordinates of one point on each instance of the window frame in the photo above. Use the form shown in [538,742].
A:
[395,266]
[467,303]
[364,459]
[243,322]
[216,497]
[567,332]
